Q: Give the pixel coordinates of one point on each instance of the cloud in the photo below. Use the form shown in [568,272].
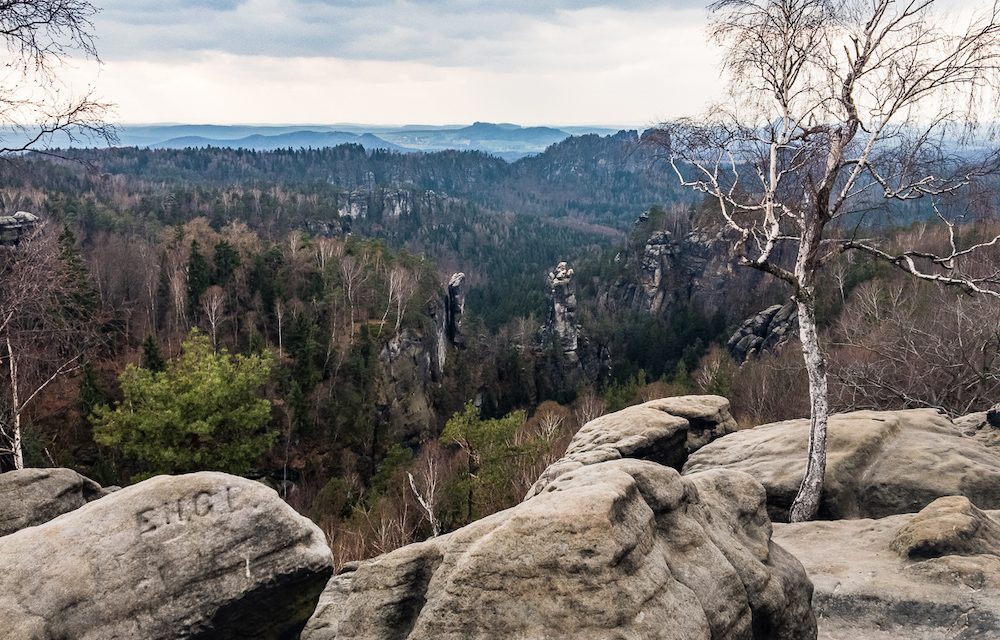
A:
[491,33]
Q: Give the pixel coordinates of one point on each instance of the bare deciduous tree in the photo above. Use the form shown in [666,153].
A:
[37,109]
[838,105]
[43,324]
[213,304]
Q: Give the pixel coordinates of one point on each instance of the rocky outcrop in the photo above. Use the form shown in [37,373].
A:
[376,203]
[934,575]
[623,548]
[205,555]
[982,427]
[32,496]
[764,332]
[455,309]
[879,463]
[665,431]
[404,385]
[560,324]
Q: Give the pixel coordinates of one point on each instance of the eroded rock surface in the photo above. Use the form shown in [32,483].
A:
[879,463]
[32,496]
[664,431]
[871,586]
[765,331]
[619,549]
[205,555]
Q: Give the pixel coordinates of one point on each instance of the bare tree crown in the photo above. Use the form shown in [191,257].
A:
[35,112]
[838,104]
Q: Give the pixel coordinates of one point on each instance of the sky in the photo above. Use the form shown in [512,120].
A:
[561,62]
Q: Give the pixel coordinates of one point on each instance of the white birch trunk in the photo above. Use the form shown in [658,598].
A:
[15,408]
[806,504]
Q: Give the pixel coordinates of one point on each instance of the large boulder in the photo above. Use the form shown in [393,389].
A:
[205,555]
[879,463]
[33,496]
[664,431]
[619,549]
[934,575]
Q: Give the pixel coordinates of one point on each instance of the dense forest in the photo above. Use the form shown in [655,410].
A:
[306,299]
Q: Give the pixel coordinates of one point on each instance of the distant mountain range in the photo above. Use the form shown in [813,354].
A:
[508,141]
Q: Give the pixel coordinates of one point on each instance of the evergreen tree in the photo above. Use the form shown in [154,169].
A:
[152,357]
[203,412]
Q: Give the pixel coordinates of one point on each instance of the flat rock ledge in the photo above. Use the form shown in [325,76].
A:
[617,549]
[934,575]
[879,463]
[205,555]
[665,431]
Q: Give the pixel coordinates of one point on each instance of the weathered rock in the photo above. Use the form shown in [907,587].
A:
[32,496]
[665,431]
[865,590]
[621,549]
[205,555]
[561,322]
[455,309]
[978,426]
[878,463]
[948,526]
[404,384]
[765,331]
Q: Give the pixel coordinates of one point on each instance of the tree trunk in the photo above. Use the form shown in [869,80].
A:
[806,504]
[15,408]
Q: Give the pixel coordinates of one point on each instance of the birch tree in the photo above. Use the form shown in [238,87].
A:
[837,107]
[44,329]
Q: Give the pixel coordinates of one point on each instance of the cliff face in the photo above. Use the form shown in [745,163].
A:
[372,202]
[661,269]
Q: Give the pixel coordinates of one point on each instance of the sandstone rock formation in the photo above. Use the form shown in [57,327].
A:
[665,431]
[455,309]
[619,549]
[879,463]
[928,576]
[982,426]
[404,384]
[204,555]
[561,322]
[764,331]
[33,496]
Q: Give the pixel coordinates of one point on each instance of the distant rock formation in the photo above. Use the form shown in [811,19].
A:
[29,497]
[879,463]
[455,309]
[561,321]
[764,332]
[623,548]
[14,228]
[934,575]
[205,555]
[404,385]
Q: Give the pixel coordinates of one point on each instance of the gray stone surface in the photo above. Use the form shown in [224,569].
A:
[765,331]
[619,549]
[664,431]
[33,496]
[204,555]
[879,463]
[868,590]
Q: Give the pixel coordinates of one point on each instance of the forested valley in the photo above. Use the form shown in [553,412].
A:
[391,340]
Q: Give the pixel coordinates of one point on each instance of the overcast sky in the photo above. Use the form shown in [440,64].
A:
[632,62]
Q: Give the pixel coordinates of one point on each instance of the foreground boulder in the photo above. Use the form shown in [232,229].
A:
[33,496]
[879,463]
[665,431]
[618,549]
[934,575]
[205,555]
